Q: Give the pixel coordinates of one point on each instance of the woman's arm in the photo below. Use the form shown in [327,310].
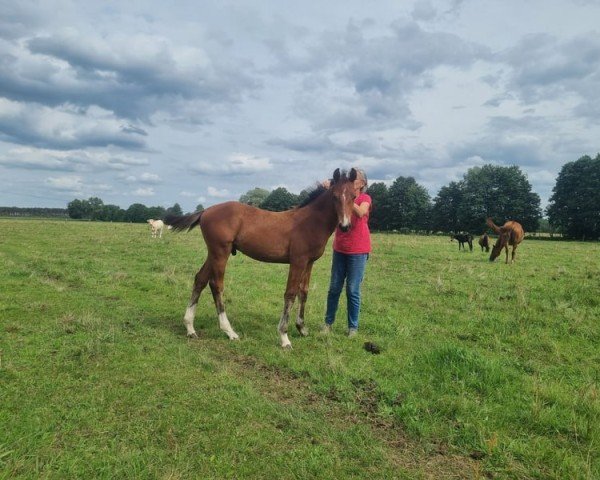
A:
[362,209]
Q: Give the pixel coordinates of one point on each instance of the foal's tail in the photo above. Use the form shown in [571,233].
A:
[181,222]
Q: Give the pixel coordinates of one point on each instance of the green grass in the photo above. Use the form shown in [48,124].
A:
[486,370]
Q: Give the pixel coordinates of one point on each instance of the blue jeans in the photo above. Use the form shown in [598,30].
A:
[350,268]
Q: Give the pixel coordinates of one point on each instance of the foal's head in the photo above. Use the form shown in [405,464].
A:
[344,193]
[502,242]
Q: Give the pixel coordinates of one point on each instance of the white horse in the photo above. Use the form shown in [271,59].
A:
[156,226]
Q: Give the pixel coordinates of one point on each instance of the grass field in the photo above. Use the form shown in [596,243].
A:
[486,370]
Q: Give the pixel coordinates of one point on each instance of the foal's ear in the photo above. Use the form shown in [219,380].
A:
[352,175]
[336,175]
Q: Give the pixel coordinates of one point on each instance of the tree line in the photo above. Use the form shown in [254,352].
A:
[33,212]
[503,193]
[95,209]
[499,192]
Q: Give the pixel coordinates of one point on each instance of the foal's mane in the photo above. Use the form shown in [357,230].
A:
[315,193]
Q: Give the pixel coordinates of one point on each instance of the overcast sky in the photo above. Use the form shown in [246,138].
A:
[199,102]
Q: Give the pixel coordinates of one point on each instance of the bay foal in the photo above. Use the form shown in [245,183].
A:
[297,237]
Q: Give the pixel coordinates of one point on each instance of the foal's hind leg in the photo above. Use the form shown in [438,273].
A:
[216,287]
[514,254]
[199,283]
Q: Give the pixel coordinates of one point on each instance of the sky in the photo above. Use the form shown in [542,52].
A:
[199,102]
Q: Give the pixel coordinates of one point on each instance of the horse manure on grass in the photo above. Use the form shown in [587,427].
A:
[371,347]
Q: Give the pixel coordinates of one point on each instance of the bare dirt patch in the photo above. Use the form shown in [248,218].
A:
[290,388]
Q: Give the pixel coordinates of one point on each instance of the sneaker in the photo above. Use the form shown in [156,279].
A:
[352,332]
[326,329]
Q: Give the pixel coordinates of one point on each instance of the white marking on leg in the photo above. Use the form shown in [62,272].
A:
[226,326]
[282,329]
[285,341]
[188,320]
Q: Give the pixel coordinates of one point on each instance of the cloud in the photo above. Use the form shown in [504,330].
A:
[65,183]
[545,68]
[144,192]
[353,80]
[217,193]
[236,164]
[63,127]
[30,158]
[149,178]
[424,10]
[131,75]
[75,185]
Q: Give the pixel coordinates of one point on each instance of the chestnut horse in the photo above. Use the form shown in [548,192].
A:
[297,237]
[511,233]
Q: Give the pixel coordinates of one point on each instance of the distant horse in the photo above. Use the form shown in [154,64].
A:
[511,233]
[484,242]
[156,227]
[297,237]
[462,239]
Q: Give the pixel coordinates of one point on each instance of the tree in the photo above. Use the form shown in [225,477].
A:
[380,216]
[255,196]
[410,205]
[96,206]
[446,208]
[199,208]
[303,195]
[112,213]
[574,206]
[174,210]
[77,209]
[503,193]
[279,200]
[137,213]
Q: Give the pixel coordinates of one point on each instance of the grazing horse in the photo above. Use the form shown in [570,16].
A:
[484,242]
[297,237]
[462,238]
[511,233]
[156,227]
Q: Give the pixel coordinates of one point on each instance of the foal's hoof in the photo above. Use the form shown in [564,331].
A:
[287,346]
[233,336]
[303,331]
[192,335]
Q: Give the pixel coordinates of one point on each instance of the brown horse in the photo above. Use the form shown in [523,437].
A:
[297,236]
[484,242]
[463,238]
[511,233]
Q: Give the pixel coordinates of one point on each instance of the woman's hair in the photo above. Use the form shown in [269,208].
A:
[363,176]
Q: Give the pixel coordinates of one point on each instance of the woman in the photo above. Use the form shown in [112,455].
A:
[350,253]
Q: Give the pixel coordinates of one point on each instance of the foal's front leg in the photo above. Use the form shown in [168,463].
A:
[293,283]
[283,321]
[303,295]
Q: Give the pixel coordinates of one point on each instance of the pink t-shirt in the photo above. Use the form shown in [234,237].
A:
[358,238]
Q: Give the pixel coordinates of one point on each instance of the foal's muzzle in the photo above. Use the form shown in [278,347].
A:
[344,228]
